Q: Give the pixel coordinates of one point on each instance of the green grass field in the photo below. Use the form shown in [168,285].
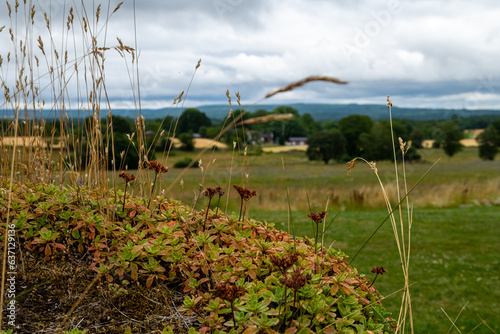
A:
[460,180]
[454,261]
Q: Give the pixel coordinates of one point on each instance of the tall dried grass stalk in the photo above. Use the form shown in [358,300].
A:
[265,119]
[302,82]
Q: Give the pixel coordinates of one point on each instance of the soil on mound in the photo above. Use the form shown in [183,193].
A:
[50,290]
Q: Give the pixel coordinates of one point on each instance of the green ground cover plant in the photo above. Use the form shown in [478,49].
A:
[236,275]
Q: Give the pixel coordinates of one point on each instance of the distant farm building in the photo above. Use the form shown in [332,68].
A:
[296,141]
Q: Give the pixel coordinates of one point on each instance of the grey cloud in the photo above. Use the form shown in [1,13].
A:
[435,50]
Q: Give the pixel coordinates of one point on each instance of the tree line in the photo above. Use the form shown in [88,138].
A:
[342,140]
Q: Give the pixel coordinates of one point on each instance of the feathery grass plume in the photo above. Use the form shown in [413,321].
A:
[158,169]
[128,178]
[230,105]
[264,119]
[302,82]
[117,7]
[245,195]
[350,165]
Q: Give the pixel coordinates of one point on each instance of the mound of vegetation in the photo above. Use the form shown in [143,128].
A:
[88,260]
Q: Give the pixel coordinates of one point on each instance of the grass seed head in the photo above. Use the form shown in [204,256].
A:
[350,165]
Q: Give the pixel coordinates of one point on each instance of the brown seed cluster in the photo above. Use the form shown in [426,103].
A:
[317,217]
[219,191]
[378,270]
[127,177]
[245,193]
[297,279]
[285,262]
[229,291]
[211,192]
[156,166]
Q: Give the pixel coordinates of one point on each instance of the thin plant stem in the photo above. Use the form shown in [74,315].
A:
[290,218]
[294,308]
[206,214]
[124,194]
[217,208]
[152,190]
[230,174]
[392,211]
[241,209]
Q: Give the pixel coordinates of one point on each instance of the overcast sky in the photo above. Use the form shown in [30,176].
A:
[434,54]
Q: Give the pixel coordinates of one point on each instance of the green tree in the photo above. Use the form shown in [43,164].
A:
[120,124]
[187,141]
[496,124]
[130,158]
[213,131]
[191,120]
[167,123]
[153,126]
[488,143]
[284,129]
[330,125]
[310,124]
[286,110]
[417,138]
[259,113]
[234,136]
[376,144]
[326,145]
[451,138]
[164,144]
[352,127]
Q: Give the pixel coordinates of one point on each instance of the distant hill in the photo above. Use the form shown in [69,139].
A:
[332,112]
[328,112]
[320,112]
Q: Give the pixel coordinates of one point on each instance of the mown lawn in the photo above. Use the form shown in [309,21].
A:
[454,261]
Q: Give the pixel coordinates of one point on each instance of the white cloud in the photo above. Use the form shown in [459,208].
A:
[432,51]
